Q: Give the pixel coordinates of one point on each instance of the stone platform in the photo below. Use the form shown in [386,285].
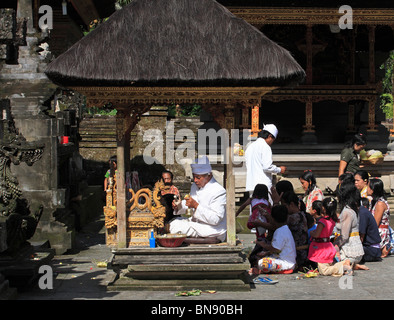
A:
[22,269]
[206,267]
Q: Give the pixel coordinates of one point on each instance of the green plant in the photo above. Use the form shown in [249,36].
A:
[386,98]
[106,110]
[187,110]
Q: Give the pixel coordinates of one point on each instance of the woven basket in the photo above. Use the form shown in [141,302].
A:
[372,161]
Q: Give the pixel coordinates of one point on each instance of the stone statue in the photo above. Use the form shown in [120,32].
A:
[17,224]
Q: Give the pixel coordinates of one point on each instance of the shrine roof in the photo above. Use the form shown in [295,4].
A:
[175,43]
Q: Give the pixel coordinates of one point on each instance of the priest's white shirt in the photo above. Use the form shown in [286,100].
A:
[259,166]
[209,219]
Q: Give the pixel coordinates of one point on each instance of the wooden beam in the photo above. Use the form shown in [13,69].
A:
[86,10]
[302,16]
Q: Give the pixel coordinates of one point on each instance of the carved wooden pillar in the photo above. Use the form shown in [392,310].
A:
[350,120]
[309,127]
[371,38]
[353,55]
[245,117]
[309,54]
[308,134]
[371,115]
[255,121]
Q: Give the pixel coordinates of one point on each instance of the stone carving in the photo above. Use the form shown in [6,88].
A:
[18,223]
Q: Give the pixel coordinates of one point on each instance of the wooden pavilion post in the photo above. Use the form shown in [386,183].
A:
[122,118]
[230,178]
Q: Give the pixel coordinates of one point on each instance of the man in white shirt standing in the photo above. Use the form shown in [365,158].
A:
[258,156]
[208,203]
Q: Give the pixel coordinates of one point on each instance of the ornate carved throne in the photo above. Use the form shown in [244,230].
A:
[144,213]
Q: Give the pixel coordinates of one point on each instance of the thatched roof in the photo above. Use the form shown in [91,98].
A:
[175,42]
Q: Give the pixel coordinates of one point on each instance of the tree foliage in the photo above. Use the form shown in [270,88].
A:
[386,98]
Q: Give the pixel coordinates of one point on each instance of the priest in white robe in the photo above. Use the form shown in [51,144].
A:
[207,202]
[258,158]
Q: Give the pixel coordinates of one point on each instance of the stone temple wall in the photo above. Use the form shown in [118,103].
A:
[29,94]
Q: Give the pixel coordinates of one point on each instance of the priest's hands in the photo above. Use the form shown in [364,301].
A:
[191,203]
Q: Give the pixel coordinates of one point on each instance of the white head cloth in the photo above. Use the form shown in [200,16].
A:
[271,128]
[201,165]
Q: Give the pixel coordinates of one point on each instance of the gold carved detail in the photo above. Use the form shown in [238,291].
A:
[143,216]
[304,16]
[132,97]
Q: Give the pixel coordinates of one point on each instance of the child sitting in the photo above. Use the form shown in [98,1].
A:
[313,217]
[321,250]
[297,223]
[282,250]
[261,210]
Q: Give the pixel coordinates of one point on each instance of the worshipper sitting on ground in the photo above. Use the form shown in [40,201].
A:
[283,185]
[168,178]
[207,200]
[168,195]
[261,209]
[361,179]
[312,192]
[347,236]
[369,233]
[381,211]
[317,210]
[280,188]
[259,219]
[282,251]
[313,218]
[321,250]
[298,226]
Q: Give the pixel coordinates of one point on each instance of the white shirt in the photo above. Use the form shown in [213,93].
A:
[283,240]
[209,219]
[259,166]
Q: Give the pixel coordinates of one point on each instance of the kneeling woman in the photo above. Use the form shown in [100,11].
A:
[381,212]
[312,192]
[348,237]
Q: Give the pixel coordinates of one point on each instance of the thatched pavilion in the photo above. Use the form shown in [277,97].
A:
[163,51]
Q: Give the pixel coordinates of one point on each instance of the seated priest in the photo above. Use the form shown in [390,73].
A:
[207,201]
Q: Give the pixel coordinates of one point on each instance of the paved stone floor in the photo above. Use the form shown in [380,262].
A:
[78,277]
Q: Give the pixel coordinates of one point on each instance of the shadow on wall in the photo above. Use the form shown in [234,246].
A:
[148,174]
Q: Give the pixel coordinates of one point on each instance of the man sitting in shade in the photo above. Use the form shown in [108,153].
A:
[207,202]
